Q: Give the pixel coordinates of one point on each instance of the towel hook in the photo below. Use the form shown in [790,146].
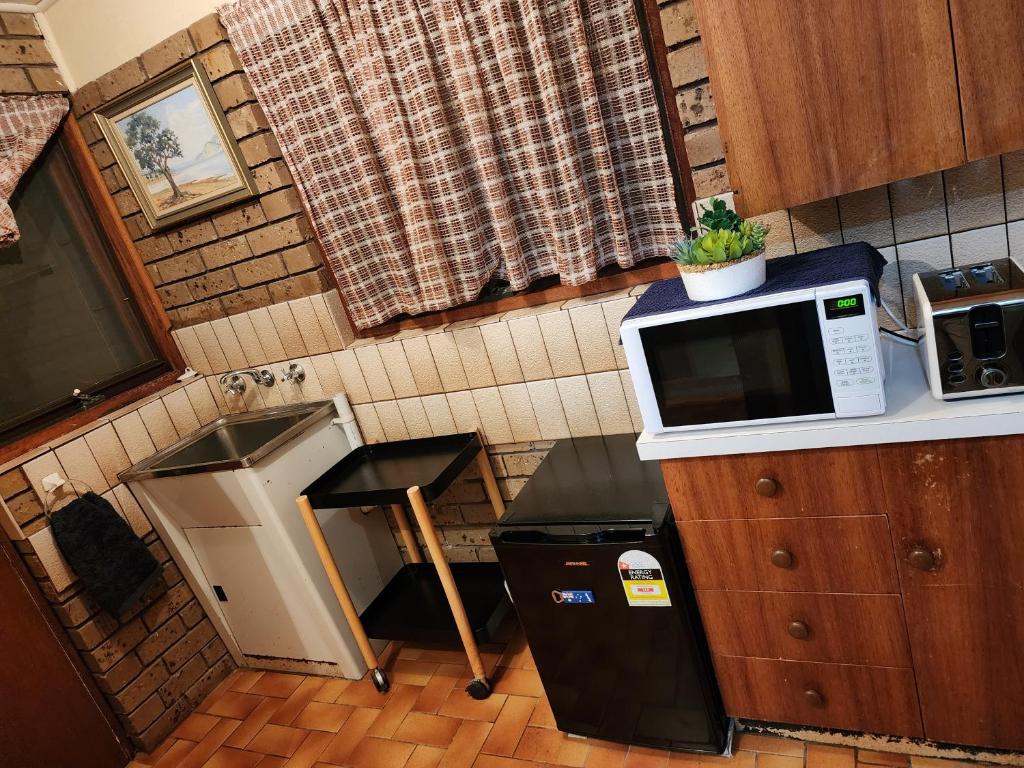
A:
[54,483]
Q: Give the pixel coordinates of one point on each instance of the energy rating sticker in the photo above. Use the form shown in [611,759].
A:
[642,579]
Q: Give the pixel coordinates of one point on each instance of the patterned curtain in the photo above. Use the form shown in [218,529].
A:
[26,124]
[436,143]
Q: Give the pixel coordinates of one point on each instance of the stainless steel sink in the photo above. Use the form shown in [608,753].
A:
[230,442]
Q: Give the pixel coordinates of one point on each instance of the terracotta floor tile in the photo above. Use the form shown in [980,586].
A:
[173,756]
[310,750]
[235,705]
[346,739]
[436,691]
[412,671]
[496,761]
[443,655]
[542,717]
[509,726]
[222,688]
[243,679]
[394,712]
[461,705]
[765,760]
[295,703]
[432,730]
[279,684]
[361,693]
[425,757]
[280,740]
[253,723]
[543,745]
[758,742]
[213,741]
[874,757]
[332,690]
[273,761]
[226,757]
[645,757]
[153,757]
[320,716]
[195,726]
[918,761]
[521,682]
[740,759]
[829,756]
[605,754]
[408,652]
[372,752]
[466,745]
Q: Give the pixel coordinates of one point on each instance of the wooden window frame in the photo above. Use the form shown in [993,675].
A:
[128,263]
[548,290]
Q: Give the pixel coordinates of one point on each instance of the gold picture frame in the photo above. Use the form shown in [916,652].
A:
[175,148]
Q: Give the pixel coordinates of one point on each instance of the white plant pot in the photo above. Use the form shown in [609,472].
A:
[721,282]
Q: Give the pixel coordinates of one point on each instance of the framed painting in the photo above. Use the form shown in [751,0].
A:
[173,144]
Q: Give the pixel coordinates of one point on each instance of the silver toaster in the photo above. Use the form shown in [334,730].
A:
[971,320]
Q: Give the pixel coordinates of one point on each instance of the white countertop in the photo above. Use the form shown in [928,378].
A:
[911,415]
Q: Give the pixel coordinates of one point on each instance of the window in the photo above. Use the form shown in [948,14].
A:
[68,317]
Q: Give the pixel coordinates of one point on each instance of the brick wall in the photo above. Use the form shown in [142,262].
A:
[26,65]
[257,253]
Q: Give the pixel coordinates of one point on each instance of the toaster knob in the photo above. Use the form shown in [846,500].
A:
[990,376]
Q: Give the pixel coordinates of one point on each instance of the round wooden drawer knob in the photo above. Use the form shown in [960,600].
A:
[922,558]
[766,487]
[798,630]
[782,558]
[813,698]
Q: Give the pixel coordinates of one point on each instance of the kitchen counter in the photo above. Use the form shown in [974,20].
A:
[912,415]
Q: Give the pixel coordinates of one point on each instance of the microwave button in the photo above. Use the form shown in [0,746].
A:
[835,331]
[862,337]
[867,369]
[865,382]
[845,383]
[841,372]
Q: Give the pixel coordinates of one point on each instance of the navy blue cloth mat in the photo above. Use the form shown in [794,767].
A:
[837,264]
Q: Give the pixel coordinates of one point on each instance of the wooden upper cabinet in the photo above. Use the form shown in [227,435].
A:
[820,97]
[987,35]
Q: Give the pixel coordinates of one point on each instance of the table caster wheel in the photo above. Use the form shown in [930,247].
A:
[380,680]
[479,689]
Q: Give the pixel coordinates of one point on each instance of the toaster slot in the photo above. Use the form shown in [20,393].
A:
[985,274]
[952,279]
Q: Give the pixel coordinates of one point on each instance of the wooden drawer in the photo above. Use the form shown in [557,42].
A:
[873,699]
[838,481]
[827,554]
[806,626]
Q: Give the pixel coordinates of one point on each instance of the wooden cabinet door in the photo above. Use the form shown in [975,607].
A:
[962,502]
[820,97]
[987,35]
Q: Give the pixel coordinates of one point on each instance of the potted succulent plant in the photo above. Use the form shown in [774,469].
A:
[724,258]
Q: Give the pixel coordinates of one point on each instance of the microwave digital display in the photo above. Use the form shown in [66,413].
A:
[844,306]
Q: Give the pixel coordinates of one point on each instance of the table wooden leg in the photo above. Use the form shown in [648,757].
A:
[341,592]
[490,482]
[408,537]
[479,688]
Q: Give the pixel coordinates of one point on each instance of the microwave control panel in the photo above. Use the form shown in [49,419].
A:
[850,336]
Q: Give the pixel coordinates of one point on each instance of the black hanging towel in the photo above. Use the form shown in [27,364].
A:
[115,566]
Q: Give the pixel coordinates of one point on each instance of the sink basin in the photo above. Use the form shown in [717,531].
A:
[231,442]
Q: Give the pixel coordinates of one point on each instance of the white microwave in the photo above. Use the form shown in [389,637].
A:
[812,353]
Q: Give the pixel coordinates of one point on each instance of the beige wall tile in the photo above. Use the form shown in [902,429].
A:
[217,392]
[529,347]
[339,318]
[158,424]
[631,402]
[816,225]
[270,341]
[327,372]
[439,414]
[974,195]
[287,330]
[920,256]
[547,408]
[396,364]
[369,423]
[866,216]
[270,396]
[591,330]
[463,408]
[918,207]
[391,420]
[352,376]
[109,453]
[415,417]
[211,348]
[595,298]
[493,420]
[614,311]
[133,512]
[578,406]
[519,411]
[376,377]
[473,354]
[421,361]
[502,353]
[249,340]
[1015,234]
[891,290]
[980,244]
[327,324]
[40,467]
[134,438]
[309,390]
[563,353]
[80,464]
[448,362]
[225,333]
[202,401]
[309,326]
[192,350]
[780,236]
[53,562]
[610,403]
[182,414]
[1013,184]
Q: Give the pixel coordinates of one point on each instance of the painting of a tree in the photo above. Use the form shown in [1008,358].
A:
[154,147]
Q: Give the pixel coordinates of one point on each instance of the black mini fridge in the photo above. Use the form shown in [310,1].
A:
[595,569]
